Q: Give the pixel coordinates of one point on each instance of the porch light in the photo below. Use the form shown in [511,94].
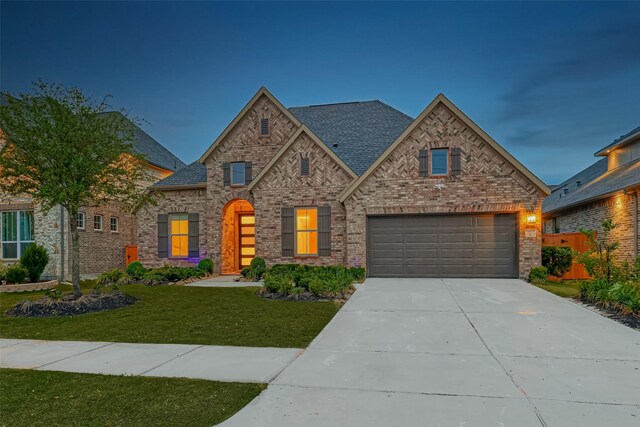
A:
[532,219]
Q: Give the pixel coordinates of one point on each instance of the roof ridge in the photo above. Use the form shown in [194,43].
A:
[336,103]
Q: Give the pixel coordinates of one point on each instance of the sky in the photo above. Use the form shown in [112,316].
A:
[551,82]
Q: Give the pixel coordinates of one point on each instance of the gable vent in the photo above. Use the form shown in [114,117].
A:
[264,127]
[304,166]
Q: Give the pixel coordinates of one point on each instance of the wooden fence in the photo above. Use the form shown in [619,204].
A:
[577,242]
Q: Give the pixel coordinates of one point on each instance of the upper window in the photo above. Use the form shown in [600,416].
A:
[97,222]
[237,173]
[264,127]
[179,235]
[81,220]
[114,225]
[16,233]
[306,231]
[440,161]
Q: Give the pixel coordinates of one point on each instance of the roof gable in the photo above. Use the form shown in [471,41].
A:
[620,142]
[358,132]
[441,99]
[261,92]
[302,130]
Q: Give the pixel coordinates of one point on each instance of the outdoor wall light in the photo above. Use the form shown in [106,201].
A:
[531,219]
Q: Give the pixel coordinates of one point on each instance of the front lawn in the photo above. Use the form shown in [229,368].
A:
[565,289]
[177,314]
[43,398]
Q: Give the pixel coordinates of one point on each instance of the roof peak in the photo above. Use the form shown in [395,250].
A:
[337,103]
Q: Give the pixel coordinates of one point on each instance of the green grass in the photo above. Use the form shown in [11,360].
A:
[566,289]
[42,398]
[177,314]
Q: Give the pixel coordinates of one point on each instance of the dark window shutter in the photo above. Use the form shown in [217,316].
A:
[455,161]
[226,174]
[264,127]
[248,173]
[194,235]
[423,160]
[304,166]
[324,230]
[163,236]
[287,232]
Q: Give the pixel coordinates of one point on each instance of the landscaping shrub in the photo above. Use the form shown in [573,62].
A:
[16,274]
[358,274]
[322,282]
[557,259]
[538,275]
[3,272]
[278,283]
[35,258]
[245,271]
[136,270]
[112,277]
[206,265]
[599,260]
[622,296]
[257,268]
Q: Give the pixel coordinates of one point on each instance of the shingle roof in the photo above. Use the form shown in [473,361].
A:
[619,141]
[358,132]
[595,182]
[195,173]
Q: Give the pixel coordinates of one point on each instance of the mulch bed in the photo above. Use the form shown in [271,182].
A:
[630,320]
[70,306]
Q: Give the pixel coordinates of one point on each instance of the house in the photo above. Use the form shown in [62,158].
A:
[104,230]
[359,184]
[608,189]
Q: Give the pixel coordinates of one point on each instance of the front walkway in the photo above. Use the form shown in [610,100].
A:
[472,352]
[220,363]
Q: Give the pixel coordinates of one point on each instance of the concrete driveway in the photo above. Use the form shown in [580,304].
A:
[458,352]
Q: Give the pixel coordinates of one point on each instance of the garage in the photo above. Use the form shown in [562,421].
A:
[455,245]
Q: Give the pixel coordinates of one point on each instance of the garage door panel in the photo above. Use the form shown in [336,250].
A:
[482,245]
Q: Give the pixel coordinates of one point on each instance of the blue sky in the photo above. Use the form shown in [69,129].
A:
[552,82]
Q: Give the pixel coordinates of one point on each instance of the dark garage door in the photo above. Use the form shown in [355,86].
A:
[442,246]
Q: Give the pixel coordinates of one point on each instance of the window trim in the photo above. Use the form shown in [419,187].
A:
[170,235]
[84,221]
[244,174]
[19,240]
[296,254]
[101,222]
[430,166]
[117,230]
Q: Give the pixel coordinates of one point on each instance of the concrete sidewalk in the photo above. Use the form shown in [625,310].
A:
[450,352]
[226,281]
[220,363]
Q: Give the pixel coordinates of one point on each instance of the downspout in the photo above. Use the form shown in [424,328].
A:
[62,244]
[635,224]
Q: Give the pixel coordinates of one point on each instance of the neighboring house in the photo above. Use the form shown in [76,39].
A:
[104,230]
[608,189]
[359,184]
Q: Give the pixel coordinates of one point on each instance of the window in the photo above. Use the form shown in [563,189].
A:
[304,166]
[81,220]
[114,225]
[264,127]
[306,231]
[97,222]
[17,233]
[179,235]
[440,161]
[237,173]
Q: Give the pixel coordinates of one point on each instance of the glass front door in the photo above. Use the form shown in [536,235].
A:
[247,236]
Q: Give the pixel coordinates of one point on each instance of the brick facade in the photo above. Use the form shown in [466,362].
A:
[487,183]
[618,208]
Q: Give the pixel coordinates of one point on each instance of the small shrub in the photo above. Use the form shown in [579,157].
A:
[136,270]
[3,272]
[538,275]
[245,271]
[54,293]
[279,283]
[622,296]
[35,258]
[358,274]
[257,268]
[16,274]
[153,278]
[557,259]
[206,265]
[111,277]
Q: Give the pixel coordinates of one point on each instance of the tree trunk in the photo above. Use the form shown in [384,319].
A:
[75,253]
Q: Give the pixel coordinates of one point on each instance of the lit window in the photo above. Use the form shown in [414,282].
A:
[81,220]
[179,235]
[306,231]
[97,222]
[114,225]
[237,173]
[16,233]
[440,161]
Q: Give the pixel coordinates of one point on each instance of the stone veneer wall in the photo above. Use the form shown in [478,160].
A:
[242,143]
[488,183]
[591,215]
[283,186]
[176,201]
